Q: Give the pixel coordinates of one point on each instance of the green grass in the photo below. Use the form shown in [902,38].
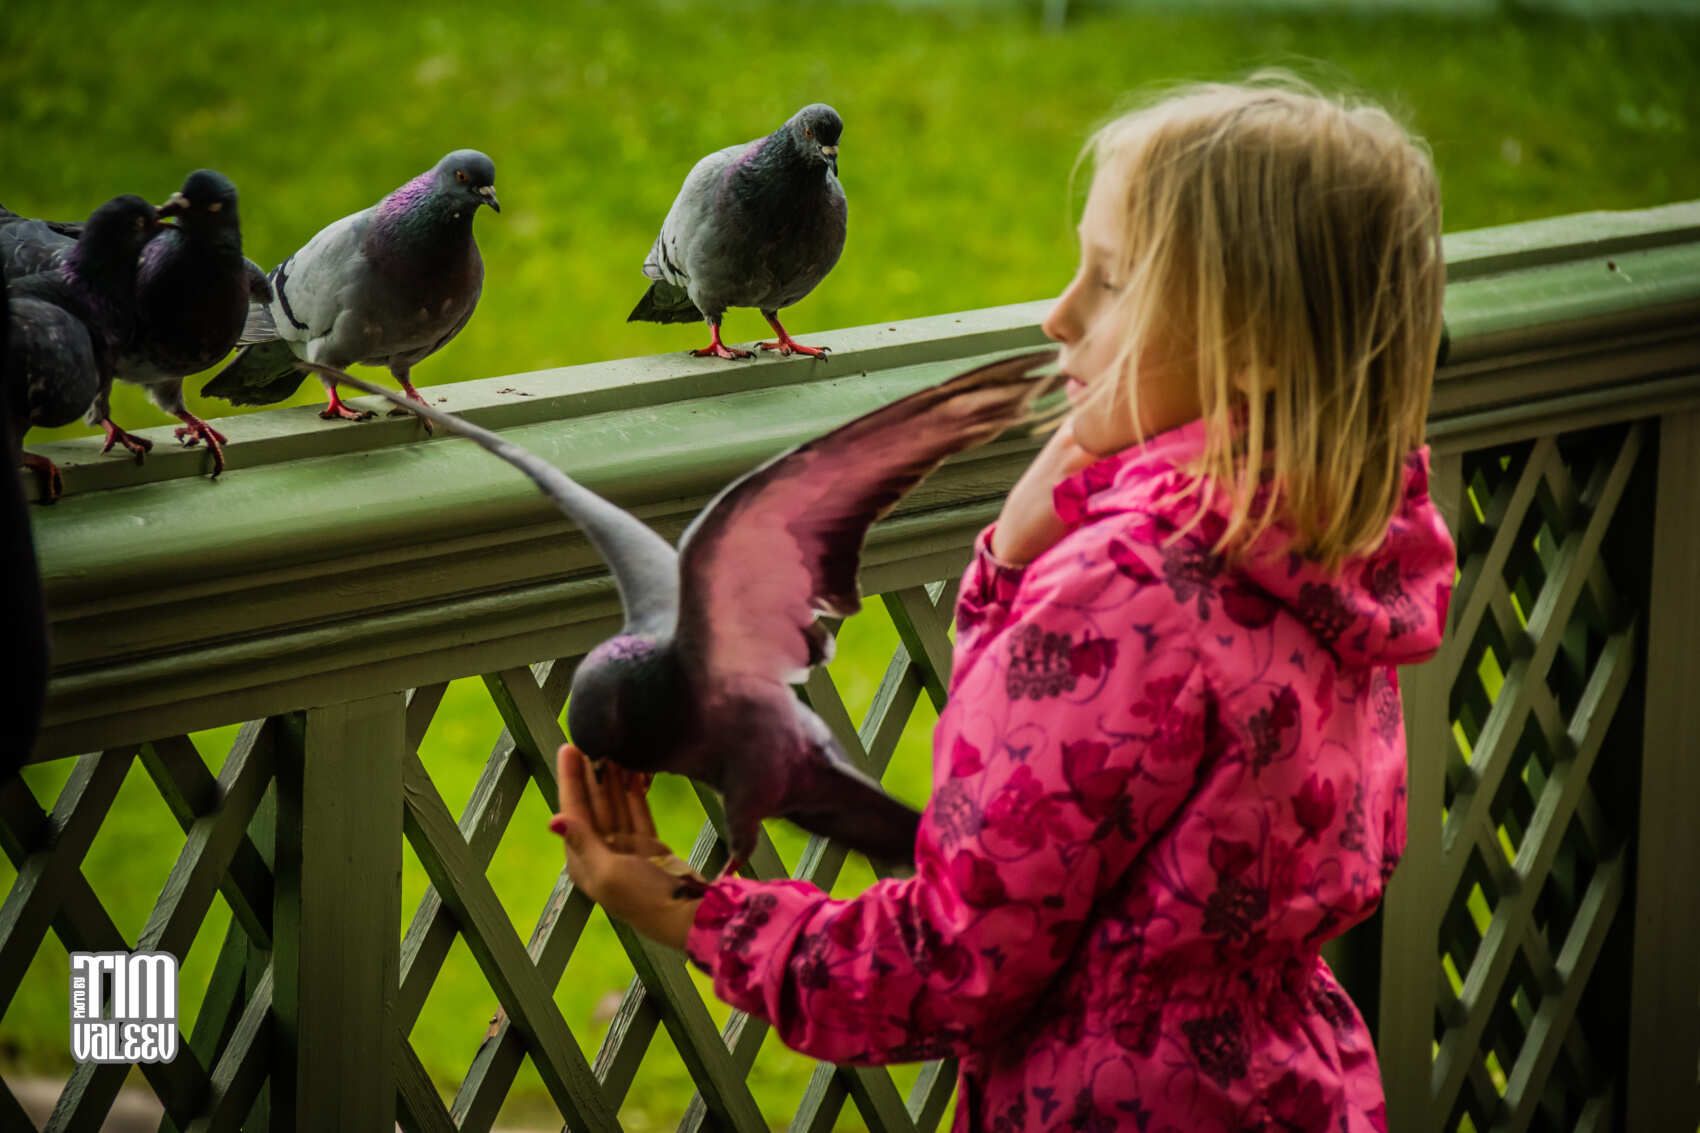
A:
[961,129]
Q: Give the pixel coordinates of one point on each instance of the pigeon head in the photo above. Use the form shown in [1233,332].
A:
[115,234]
[814,132]
[630,702]
[207,199]
[470,175]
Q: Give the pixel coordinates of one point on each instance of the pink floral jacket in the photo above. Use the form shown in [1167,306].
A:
[1160,784]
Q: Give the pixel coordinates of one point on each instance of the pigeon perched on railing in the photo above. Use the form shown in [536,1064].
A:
[192,293]
[22,611]
[73,307]
[755,225]
[386,286]
[696,681]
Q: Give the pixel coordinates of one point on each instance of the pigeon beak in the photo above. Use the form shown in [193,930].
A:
[830,151]
[488,192]
[176,205]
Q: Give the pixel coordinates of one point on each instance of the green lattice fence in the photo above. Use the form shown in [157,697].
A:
[1531,969]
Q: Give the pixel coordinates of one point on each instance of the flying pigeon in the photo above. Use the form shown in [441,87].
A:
[70,317]
[192,293]
[696,680]
[755,225]
[389,285]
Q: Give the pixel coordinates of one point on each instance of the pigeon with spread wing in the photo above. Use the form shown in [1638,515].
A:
[697,680]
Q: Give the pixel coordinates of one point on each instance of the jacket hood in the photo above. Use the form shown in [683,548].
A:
[1386,607]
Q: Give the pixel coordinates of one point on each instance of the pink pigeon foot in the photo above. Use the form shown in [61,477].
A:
[52,485]
[116,436]
[195,430]
[718,349]
[788,345]
[335,410]
[412,395]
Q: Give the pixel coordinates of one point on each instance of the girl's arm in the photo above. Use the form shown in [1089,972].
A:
[1075,736]
[1026,527]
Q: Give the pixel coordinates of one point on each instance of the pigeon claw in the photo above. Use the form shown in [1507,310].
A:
[52,484]
[413,395]
[344,413]
[720,350]
[787,346]
[116,436]
[194,431]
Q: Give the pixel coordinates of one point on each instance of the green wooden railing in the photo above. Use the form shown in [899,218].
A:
[1533,966]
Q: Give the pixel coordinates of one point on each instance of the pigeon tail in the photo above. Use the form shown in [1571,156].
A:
[836,801]
[665,303]
[260,326]
[262,373]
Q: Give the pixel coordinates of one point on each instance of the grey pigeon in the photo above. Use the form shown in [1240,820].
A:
[389,285]
[192,292]
[755,225]
[696,682]
[69,317]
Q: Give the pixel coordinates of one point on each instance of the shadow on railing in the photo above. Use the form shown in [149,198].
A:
[1530,967]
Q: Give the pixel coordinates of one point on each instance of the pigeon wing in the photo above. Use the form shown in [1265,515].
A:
[782,545]
[28,247]
[645,568]
[831,798]
[312,287]
[668,256]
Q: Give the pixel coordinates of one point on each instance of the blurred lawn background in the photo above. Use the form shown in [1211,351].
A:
[962,123]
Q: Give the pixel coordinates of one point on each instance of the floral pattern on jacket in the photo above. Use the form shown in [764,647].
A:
[1161,782]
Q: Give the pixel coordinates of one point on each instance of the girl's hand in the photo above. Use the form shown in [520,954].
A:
[1028,524]
[613,854]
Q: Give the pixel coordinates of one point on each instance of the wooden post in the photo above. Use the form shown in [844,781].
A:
[1413,905]
[1664,1007]
[337,915]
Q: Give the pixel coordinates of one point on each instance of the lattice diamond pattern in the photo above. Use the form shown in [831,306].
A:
[1541,652]
[221,1065]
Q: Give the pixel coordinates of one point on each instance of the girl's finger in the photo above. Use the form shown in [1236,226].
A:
[638,818]
[570,770]
[616,784]
[596,782]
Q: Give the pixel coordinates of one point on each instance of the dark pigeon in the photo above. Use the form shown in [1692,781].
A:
[696,682]
[387,286]
[21,609]
[755,225]
[192,291]
[69,319]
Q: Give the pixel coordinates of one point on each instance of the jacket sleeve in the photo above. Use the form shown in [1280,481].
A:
[983,602]
[1071,737]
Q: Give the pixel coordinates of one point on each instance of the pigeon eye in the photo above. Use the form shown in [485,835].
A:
[460,175]
[808,131]
[215,206]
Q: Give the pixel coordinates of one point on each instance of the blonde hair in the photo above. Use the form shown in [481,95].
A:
[1284,247]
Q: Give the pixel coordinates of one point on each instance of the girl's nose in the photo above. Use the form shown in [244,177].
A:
[1060,325]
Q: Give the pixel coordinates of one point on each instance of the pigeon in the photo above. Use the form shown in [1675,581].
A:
[389,285]
[696,680]
[755,225]
[192,291]
[68,319]
[78,269]
[21,608]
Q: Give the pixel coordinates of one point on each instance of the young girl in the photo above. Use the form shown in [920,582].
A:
[1173,763]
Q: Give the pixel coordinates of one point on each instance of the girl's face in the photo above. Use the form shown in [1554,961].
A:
[1087,322]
